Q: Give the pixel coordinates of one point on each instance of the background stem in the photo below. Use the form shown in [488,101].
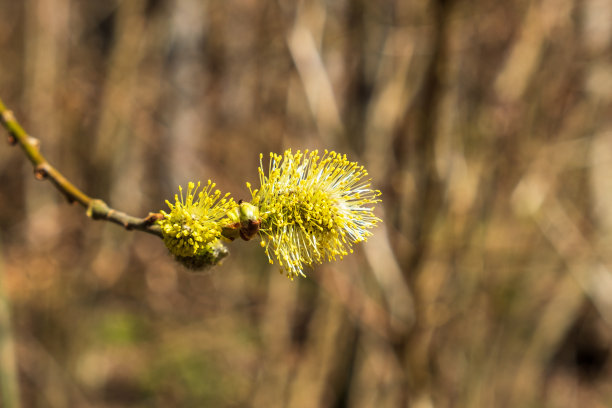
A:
[9,384]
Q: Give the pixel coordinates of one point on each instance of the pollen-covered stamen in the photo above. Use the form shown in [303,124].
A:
[313,208]
[193,225]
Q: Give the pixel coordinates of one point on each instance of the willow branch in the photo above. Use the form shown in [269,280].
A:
[95,208]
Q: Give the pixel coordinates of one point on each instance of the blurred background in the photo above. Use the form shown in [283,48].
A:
[487,125]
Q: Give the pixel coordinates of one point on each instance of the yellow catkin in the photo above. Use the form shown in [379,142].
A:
[193,226]
[313,208]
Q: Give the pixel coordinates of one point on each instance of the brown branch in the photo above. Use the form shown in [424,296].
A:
[96,208]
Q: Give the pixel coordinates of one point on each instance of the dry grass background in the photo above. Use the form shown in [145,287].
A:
[486,124]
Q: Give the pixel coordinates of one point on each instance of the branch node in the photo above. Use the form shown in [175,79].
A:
[98,209]
[7,116]
[34,142]
[40,171]
[152,218]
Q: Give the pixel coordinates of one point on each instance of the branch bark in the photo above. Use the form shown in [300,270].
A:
[95,208]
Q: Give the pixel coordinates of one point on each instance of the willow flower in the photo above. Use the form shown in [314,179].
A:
[192,228]
[313,208]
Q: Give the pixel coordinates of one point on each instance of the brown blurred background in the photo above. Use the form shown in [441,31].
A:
[486,124]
